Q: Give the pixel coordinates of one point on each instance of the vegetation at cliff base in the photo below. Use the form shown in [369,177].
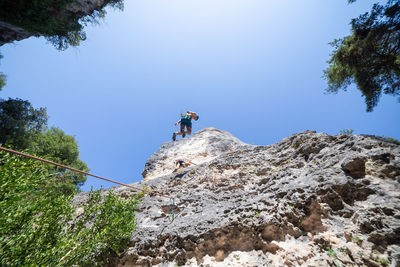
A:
[23,127]
[370,56]
[40,227]
[53,19]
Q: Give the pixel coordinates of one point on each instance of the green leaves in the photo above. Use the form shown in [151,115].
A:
[25,128]
[101,229]
[52,18]
[369,57]
[2,77]
[40,227]
[53,144]
[28,212]
[332,253]
[346,131]
[18,120]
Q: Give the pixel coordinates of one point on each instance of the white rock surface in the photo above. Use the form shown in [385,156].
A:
[203,146]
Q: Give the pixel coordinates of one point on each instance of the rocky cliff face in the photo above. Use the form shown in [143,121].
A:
[310,200]
[204,146]
[10,33]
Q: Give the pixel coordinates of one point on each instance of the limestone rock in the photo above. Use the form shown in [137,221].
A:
[310,200]
[204,146]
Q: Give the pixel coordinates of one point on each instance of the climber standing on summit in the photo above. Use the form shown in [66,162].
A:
[186,120]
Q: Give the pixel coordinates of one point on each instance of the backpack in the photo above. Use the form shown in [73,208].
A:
[186,116]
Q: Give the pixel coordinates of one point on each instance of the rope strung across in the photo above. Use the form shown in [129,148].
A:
[75,170]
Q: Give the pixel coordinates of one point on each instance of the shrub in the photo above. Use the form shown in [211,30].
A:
[392,140]
[332,253]
[40,227]
[346,131]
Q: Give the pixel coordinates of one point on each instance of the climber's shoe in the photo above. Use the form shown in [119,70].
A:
[174,137]
[183,134]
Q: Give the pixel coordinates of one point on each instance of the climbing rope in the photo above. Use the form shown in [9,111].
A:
[76,170]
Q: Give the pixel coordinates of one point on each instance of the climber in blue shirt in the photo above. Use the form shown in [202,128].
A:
[186,121]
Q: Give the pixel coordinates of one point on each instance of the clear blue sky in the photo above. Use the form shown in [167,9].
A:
[250,67]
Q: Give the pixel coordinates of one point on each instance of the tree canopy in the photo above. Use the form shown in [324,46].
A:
[18,121]
[53,144]
[370,56]
[25,128]
[53,19]
[2,77]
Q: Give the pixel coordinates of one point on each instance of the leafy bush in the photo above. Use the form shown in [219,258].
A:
[392,140]
[332,253]
[356,239]
[40,227]
[346,131]
[383,262]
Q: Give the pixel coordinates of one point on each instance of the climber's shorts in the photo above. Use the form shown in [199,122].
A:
[187,124]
